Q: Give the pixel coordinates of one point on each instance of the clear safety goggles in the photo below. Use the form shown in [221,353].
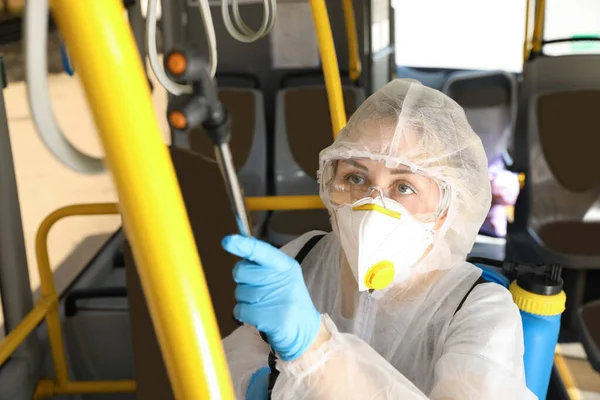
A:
[346,181]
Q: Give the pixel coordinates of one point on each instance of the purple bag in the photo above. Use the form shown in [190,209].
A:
[505,190]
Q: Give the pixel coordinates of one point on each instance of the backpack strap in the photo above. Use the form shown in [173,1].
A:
[304,251]
[479,281]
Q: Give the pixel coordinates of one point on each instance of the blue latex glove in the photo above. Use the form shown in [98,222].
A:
[272,296]
[258,388]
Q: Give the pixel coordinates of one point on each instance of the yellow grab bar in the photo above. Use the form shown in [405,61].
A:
[47,307]
[272,203]
[354,64]
[527,40]
[47,288]
[538,27]
[154,215]
[47,388]
[14,339]
[331,70]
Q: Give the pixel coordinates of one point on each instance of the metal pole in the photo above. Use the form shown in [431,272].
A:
[172,25]
[538,28]
[354,64]
[526,42]
[150,199]
[15,287]
[331,71]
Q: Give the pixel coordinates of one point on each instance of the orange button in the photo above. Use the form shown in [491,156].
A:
[177,63]
[177,120]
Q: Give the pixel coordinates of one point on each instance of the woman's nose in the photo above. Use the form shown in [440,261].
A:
[375,191]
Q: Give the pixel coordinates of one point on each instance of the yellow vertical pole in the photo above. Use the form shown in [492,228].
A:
[354,64]
[154,215]
[538,27]
[526,40]
[331,70]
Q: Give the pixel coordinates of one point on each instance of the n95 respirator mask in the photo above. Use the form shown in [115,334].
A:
[381,241]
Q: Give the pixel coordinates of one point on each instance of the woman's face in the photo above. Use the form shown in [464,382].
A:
[355,179]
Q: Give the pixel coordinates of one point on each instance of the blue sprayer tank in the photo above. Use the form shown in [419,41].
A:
[541,301]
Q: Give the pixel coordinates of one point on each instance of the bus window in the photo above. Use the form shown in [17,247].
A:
[572,19]
[460,34]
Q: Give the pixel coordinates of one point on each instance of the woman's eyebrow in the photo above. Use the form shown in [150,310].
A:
[400,172]
[356,164]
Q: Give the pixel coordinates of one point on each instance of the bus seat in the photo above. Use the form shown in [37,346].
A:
[556,144]
[490,103]
[211,219]
[98,333]
[95,319]
[248,143]
[589,330]
[240,80]
[489,100]
[428,77]
[302,130]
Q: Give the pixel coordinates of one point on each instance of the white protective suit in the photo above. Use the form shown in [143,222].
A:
[407,341]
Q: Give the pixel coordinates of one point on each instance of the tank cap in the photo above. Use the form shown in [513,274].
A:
[548,283]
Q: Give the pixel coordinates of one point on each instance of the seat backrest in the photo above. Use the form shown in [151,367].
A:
[237,80]
[432,78]
[490,103]
[211,219]
[302,129]
[557,138]
[311,77]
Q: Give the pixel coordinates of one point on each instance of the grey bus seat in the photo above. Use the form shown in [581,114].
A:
[95,319]
[556,142]
[490,103]
[302,130]
[589,329]
[211,219]
[427,76]
[237,80]
[248,143]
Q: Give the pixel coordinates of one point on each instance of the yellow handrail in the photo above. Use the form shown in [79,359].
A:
[538,27]
[48,388]
[14,339]
[354,64]
[527,39]
[154,215]
[47,307]
[331,70]
[272,203]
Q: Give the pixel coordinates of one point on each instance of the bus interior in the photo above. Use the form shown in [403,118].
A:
[527,74]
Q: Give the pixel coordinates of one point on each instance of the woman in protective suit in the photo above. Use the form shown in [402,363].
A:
[385,306]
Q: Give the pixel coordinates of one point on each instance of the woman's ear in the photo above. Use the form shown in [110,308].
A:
[440,222]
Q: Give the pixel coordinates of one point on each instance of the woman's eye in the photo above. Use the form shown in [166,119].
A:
[355,179]
[405,189]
